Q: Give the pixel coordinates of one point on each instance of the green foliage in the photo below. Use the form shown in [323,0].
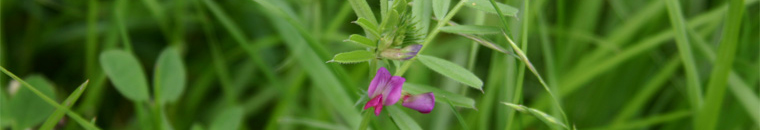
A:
[169,75]
[402,120]
[440,8]
[484,5]
[228,119]
[471,29]
[28,109]
[59,113]
[546,118]
[126,74]
[452,71]
[353,57]
[361,40]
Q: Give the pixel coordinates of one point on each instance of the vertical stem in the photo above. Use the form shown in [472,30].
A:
[365,120]
[92,38]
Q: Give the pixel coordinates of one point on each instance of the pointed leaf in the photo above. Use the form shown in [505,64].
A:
[27,108]
[169,74]
[456,99]
[361,40]
[59,113]
[471,29]
[353,57]
[440,8]
[485,5]
[126,74]
[452,71]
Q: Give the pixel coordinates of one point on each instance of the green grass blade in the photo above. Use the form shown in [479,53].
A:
[126,74]
[50,101]
[323,78]
[546,118]
[647,92]
[649,121]
[59,113]
[471,29]
[169,75]
[708,115]
[527,62]
[459,117]
[402,120]
[452,71]
[365,120]
[353,57]
[454,99]
[313,123]
[684,49]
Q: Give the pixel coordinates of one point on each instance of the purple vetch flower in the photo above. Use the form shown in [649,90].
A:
[423,103]
[405,53]
[384,90]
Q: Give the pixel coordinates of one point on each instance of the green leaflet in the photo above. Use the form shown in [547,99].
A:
[440,8]
[452,71]
[402,120]
[546,118]
[353,57]
[28,109]
[361,40]
[455,99]
[471,29]
[484,5]
[126,74]
[368,26]
[229,119]
[169,75]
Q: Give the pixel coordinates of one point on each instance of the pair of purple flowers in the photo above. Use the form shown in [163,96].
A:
[385,90]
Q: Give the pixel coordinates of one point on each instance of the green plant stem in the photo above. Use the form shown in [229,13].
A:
[365,121]
[708,115]
[431,35]
[517,98]
[119,19]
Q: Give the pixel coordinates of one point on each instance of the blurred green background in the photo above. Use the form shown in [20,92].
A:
[260,64]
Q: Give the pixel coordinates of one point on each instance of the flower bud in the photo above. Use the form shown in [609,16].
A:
[405,53]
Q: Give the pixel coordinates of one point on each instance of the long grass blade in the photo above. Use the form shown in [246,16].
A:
[59,113]
[709,114]
[684,49]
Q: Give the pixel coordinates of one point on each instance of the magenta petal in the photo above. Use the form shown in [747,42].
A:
[392,95]
[423,103]
[374,102]
[378,83]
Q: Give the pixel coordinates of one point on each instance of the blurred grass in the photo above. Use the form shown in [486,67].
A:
[260,64]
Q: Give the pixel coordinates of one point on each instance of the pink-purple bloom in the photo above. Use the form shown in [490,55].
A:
[385,90]
[423,103]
